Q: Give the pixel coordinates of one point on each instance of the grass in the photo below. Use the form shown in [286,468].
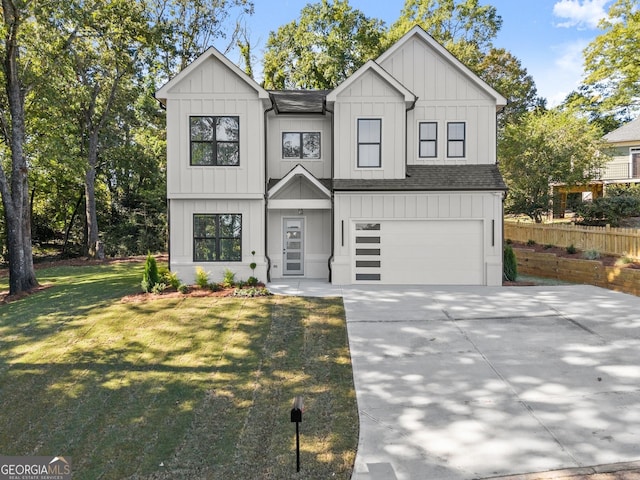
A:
[176,388]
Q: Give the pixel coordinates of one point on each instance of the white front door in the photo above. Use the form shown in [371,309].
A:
[293,246]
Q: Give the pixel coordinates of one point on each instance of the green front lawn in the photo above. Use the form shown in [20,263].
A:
[173,388]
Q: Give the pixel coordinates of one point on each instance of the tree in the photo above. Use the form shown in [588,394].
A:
[612,65]
[504,72]
[15,188]
[464,27]
[328,43]
[546,147]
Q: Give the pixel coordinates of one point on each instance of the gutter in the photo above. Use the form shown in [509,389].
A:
[333,214]
[266,194]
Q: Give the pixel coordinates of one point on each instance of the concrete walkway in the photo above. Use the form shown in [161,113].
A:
[477,382]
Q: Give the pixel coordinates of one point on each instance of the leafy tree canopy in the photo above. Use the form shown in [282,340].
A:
[612,65]
[546,147]
[328,43]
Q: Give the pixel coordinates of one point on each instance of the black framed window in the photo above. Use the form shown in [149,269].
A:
[215,141]
[305,145]
[217,237]
[369,142]
[455,139]
[428,133]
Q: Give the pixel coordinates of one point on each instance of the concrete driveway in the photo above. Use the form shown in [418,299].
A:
[475,382]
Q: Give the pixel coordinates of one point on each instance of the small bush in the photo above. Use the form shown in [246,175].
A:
[169,278]
[214,287]
[252,281]
[531,242]
[624,260]
[159,288]
[182,288]
[547,246]
[251,292]
[571,249]
[509,265]
[591,254]
[202,278]
[508,241]
[229,279]
[150,275]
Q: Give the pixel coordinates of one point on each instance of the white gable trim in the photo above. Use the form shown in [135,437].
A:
[417,31]
[164,92]
[298,170]
[409,97]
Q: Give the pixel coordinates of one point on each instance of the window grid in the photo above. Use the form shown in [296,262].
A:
[456,139]
[369,142]
[217,237]
[302,145]
[215,141]
[428,134]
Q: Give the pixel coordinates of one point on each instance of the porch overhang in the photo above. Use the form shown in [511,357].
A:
[298,171]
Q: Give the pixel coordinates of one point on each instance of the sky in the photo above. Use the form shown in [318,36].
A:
[547,36]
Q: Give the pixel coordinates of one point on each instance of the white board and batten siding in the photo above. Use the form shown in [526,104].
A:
[278,166]
[370,97]
[213,89]
[181,238]
[445,94]
[423,238]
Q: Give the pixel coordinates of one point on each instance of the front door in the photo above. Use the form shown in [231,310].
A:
[293,246]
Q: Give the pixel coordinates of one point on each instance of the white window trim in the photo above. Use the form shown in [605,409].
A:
[357,143]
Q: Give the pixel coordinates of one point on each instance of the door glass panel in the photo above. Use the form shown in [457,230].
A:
[293,246]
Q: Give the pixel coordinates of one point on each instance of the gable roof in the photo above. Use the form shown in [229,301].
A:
[484,177]
[409,97]
[629,132]
[298,170]
[165,90]
[418,32]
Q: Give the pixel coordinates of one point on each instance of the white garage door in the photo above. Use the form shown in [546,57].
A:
[433,252]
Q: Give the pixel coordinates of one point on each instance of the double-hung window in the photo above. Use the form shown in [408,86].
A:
[455,139]
[428,133]
[215,141]
[369,142]
[303,145]
[217,237]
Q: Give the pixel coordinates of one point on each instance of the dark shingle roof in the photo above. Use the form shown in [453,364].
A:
[434,178]
[299,101]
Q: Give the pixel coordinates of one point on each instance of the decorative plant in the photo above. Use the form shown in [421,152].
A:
[202,277]
[229,279]
[150,275]
[571,249]
[510,265]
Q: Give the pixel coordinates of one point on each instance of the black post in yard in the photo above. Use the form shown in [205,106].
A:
[297,446]
[296,416]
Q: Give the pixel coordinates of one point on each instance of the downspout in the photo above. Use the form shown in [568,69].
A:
[266,195]
[406,133]
[333,215]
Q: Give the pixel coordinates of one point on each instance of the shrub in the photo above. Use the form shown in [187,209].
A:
[159,287]
[150,275]
[531,242]
[591,254]
[214,287]
[609,210]
[251,292]
[182,288]
[548,246]
[252,281]
[624,260]
[571,249]
[509,265]
[229,279]
[202,278]
[169,278]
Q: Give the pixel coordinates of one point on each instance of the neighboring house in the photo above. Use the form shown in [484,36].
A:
[389,178]
[623,168]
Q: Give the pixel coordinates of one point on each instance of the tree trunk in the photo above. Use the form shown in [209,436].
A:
[67,231]
[94,246]
[16,196]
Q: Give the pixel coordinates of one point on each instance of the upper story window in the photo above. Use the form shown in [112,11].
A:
[455,139]
[369,142]
[217,237]
[428,133]
[304,145]
[215,141]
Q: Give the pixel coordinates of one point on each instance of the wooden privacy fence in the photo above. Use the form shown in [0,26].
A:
[607,240]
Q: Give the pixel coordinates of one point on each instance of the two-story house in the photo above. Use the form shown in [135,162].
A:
[389,178]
